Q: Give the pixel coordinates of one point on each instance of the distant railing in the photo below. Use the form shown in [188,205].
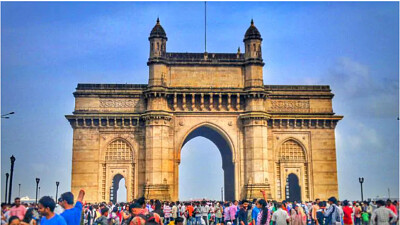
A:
[297,87]
[110,86]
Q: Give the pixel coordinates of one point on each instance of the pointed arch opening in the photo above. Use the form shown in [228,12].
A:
[222,142]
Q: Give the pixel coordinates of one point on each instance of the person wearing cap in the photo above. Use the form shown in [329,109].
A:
[72,214]
[382,215]
[332,214]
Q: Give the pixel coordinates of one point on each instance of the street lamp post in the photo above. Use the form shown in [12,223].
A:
[19,190]
[222,194]
[12,158]
[361,180]
[39,192]
[37,186]
[57,183]
[7,175]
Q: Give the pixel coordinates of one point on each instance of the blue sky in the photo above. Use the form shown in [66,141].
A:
[49,47]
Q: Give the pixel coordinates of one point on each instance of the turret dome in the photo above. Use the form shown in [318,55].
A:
[158,31]
[252,32]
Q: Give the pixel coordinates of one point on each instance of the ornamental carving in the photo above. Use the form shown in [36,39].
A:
[118,103]
[290,106]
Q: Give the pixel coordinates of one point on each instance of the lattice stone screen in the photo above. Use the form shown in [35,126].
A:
[118,150]
[291,151]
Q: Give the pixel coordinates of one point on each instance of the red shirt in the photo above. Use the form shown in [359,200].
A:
[347,215]
[393,208]
[190,210]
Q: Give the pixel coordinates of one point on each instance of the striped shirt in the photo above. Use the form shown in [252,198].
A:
[167,211]
[381,216]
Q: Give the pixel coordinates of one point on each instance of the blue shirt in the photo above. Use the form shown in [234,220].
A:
[73,216]
[254,213]
[55,220]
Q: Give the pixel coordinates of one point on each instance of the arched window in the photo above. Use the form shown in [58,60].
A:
[158,46]
[118,150]
[291,151]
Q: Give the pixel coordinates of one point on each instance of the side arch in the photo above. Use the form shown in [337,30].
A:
[108,143]
[301,144]
[120,164]
[288,160]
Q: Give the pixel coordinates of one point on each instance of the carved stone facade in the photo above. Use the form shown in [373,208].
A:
[264,132]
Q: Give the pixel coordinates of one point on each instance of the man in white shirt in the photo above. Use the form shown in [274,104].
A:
[381,215]
[280,216]
[204,211]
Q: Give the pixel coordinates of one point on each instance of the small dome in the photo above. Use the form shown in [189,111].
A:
[158,31]
[252,32]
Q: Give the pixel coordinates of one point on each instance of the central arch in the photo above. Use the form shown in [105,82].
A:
[220,139]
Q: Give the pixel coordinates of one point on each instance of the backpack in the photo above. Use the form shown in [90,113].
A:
[149,219]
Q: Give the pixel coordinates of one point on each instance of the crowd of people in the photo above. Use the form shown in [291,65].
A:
[154,212]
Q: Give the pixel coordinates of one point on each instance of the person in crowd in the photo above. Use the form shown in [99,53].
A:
[332,214]
[233,209]
[296,216]
[392,207]
[179,221]
[263,214]
[113,218]
[314,209]
[167,213]
[205,209]
[197,213]
[46,209]
[103,219]
[383,215]
[72,214]
[18,209]
[59,209]
[348,211]
[218,213]
[141,217]
[158,210]
[357,214]
[5,213]
[227,215]
[320,213]
[242,215]
[280,217]
[364,217]
[174,211]
[14,220]
[29,218]
[189,210]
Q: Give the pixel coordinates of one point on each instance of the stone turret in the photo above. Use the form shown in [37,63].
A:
[158,41]
[158,48]
[252,41]
[253,58]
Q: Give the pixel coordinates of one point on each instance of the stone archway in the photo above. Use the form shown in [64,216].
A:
[293,190]
[115,187]
[221,141]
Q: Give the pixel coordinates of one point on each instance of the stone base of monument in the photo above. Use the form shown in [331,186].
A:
[254,191]
[157,191]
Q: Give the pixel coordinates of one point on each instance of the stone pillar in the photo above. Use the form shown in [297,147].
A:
[211,101]
[159,156]
[255,158]
[202,102]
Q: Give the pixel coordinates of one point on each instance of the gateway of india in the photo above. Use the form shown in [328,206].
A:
[277,138]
